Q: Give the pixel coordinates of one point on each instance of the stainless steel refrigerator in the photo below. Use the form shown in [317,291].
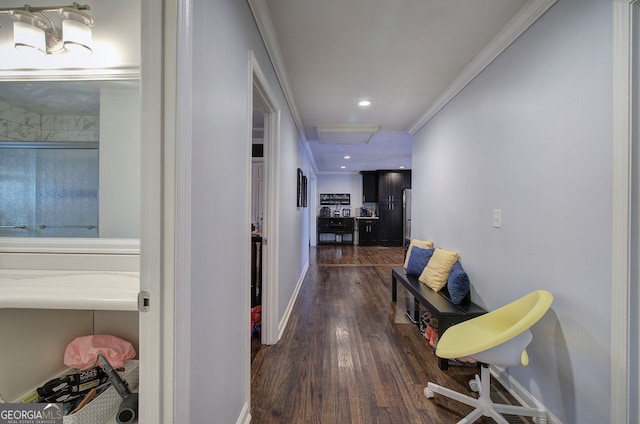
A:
[406,216]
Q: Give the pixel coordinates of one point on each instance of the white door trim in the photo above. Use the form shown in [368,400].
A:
[623,305]
[156,325]
[270,272]
[270,227]
[177,175]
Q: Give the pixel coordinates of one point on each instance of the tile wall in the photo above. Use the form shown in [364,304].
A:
[18,124]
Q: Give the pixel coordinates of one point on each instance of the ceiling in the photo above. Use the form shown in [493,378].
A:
[408,57]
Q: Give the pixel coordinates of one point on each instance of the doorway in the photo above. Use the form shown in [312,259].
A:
[264,109]
[258,191]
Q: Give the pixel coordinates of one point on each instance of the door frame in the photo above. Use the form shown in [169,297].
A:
[625,372]
[164,229]
[270,230]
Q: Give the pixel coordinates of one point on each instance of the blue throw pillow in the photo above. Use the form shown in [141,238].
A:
[418,259]
[458,283]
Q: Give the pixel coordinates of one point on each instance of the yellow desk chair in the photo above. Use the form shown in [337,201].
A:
[499,338]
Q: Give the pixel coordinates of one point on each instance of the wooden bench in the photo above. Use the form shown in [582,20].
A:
[437,303]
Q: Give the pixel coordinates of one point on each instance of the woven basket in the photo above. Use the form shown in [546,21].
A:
[106,404]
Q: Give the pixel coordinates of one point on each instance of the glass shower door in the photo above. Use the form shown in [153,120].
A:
[17,193]
[48,192]
[67,193]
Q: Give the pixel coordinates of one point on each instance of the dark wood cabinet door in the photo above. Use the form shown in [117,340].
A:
[386,183]
[396,224]
[391,184]
[373,232]
[369,187]
[390,223]
[368,232]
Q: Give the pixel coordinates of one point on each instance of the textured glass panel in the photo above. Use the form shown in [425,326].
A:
[67,192]
[17,192]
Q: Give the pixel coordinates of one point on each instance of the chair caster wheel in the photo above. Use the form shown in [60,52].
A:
[473,385]
[429,393]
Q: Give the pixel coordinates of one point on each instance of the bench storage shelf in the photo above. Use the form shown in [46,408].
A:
[333,230]
[436,303]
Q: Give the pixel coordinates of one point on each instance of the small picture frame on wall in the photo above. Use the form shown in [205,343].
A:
[304,191]
[299,185]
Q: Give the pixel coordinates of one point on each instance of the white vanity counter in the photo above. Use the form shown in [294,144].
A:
[55,289]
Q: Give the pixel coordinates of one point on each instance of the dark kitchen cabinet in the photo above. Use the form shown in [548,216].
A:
[367,232]
[384,187]
[390,186]
[390,223]
[369,187]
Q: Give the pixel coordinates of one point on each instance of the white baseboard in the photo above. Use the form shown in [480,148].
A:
[245,415]
[287,313]
[518,391]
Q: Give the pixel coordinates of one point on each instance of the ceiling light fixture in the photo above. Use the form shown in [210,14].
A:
[343,167]
[364,103]
[347,157]
[34,30]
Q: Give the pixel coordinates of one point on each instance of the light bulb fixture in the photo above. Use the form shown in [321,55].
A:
[28,31]
[34,30]
[76,30]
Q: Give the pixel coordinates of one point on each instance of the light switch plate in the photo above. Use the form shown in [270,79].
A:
[497,216]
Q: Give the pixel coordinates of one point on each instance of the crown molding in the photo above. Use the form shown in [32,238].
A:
[265,26]
[530,13]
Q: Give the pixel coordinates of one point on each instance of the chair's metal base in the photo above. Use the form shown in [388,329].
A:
[483,405]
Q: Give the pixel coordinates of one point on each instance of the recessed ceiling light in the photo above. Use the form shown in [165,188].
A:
[364,103]
[401,167]
[347,157]
[342,167]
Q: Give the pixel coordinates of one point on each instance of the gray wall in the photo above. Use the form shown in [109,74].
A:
[223,33]
[532,136]
[341,183]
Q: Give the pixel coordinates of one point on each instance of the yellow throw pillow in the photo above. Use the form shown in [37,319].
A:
[437,271]
[423,244]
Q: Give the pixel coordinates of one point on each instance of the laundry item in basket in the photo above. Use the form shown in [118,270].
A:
[82,352]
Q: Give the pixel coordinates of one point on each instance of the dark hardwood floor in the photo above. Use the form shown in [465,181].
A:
[345,357]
